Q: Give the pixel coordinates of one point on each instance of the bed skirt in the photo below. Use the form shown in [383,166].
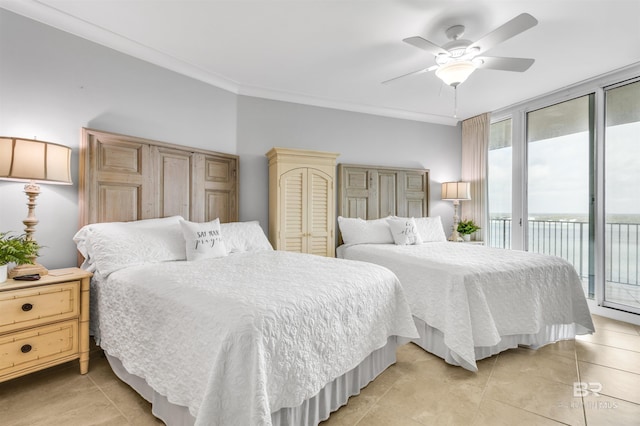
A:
[311,412]
[432,340]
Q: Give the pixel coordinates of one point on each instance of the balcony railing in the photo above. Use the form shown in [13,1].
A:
[570,240]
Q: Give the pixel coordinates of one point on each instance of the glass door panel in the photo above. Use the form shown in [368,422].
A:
[622,197]
[500,184]
[560,184]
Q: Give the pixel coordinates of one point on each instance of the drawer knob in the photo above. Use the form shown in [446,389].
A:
[25,348]
[27,307]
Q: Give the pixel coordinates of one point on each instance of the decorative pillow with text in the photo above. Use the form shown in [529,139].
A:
[204,240]
[404,231]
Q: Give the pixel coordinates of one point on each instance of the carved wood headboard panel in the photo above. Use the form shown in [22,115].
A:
[372,192]
[124,178]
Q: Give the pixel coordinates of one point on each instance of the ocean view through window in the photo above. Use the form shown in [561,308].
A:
[561,193]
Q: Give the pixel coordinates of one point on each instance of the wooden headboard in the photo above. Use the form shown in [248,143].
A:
[124,178]
[372,192]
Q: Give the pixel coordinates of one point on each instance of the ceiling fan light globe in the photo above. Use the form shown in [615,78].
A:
[455,73]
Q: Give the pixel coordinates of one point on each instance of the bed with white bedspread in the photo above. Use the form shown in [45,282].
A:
[241,338]
[471,302]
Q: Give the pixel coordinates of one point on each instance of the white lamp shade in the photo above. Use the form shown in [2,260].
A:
[456,191]
[33,160]
[454,73]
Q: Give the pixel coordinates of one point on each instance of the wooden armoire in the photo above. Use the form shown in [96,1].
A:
[301,200]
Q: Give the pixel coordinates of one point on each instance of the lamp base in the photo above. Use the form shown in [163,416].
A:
[455,237]
[28,269]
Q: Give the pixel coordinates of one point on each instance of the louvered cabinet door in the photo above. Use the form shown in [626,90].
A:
[293,211]
[301,200]
[320,214]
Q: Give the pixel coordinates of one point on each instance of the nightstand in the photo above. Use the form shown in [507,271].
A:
[44,322]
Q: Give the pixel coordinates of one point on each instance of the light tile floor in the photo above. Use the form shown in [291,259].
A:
[519,386]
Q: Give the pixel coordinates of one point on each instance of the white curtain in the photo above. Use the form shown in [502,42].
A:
[475,150]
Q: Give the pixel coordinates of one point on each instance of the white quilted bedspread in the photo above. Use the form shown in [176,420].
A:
[475,294]
[238,337]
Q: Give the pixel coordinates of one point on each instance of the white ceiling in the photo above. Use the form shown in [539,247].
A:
[337,53]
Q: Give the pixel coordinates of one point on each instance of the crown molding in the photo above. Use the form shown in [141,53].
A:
[58,19]
[278,95]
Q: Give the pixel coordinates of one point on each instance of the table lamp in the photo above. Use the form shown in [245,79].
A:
[456,191]
[34,162]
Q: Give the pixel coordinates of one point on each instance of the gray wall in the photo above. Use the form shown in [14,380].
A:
[359,138]
[53,83]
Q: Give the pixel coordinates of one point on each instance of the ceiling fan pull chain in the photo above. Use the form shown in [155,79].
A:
[455,101]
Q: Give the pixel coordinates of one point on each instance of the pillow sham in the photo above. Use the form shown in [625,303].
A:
[360,231]
[240,237]
[430,229]
[204,240]
[109,246]
[404,231]
[82,236]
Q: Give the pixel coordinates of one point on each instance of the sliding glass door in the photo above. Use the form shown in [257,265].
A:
[560,184]
[622,197]
[564,179]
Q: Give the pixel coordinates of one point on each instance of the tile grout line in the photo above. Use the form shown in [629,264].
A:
[372,405]
[109,399]
[615,347]
[380,398]
[530,412]
[628,333]
[551,380]
[484,388]
[608,366]
[584,410]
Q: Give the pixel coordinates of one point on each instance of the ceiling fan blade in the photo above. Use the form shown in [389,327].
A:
[431,68]
[426,45]
[505,64]
[510,29]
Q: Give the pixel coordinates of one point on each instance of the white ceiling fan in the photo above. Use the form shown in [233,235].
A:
[459,58]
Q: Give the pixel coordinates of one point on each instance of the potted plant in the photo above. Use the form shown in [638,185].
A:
[15,249]
[466,228]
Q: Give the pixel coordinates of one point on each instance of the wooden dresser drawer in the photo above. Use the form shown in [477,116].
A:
[39,305]
[23,350]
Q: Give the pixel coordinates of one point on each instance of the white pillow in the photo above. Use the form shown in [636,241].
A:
[242,237]
[404,231]
[110,246]
[204,240]
[430,229]
[82,236]
[360,231]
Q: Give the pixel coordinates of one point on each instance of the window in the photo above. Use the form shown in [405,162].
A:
[568,165]
[500,184]
[560,218]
